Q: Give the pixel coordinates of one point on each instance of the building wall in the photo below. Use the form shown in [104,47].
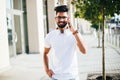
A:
[51,14]
[4,51]
[35,25]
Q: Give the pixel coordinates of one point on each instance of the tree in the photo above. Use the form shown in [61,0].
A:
[91,13]
[92,10]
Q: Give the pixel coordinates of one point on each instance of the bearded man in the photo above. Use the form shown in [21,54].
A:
[60,51]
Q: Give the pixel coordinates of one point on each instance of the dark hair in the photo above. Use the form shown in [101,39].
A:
[61,8]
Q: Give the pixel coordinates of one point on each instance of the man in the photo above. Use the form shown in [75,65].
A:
[60,58]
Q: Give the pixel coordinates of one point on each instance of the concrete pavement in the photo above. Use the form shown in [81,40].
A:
[25,67]
[91,63]
[30,67]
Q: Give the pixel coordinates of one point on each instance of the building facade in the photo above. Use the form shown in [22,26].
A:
[4,50]
[22,29]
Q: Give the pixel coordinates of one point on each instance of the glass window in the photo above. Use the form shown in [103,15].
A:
[9,4]
[17,4]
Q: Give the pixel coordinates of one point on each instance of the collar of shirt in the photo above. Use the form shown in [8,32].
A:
[66,32]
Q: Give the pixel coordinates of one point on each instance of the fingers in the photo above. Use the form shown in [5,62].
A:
[69,22]
[68,19]
[50,73]
[71,28]
[70,25]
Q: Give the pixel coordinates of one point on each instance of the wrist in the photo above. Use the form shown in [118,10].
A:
[75,32]
[47,70]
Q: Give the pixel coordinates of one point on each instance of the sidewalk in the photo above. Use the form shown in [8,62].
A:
[25,67]
[30,67]
[91,63]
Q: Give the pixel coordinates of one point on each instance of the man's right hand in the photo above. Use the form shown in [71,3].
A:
[50,73]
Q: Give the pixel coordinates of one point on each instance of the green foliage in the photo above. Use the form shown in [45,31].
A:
[77,14]
[95,25]
[92,9]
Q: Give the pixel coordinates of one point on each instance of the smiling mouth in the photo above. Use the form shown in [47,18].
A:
[61,23]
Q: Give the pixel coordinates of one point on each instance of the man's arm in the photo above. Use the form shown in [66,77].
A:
[80,43]
[45,57]
[78,38]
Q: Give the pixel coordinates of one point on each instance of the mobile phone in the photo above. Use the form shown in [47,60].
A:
[69,25]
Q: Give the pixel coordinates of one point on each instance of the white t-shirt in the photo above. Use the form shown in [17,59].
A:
[62,56]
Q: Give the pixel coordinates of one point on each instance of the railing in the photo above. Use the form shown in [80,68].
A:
[114,40]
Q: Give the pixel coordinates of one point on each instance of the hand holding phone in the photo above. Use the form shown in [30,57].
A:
[70,26]
[69,23]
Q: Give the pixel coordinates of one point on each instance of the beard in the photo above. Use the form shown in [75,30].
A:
[61,24]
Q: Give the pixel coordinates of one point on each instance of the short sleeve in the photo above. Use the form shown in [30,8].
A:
[47,42]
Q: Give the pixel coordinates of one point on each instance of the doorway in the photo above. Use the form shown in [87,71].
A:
[18,39]
[15,26]
[15,33]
